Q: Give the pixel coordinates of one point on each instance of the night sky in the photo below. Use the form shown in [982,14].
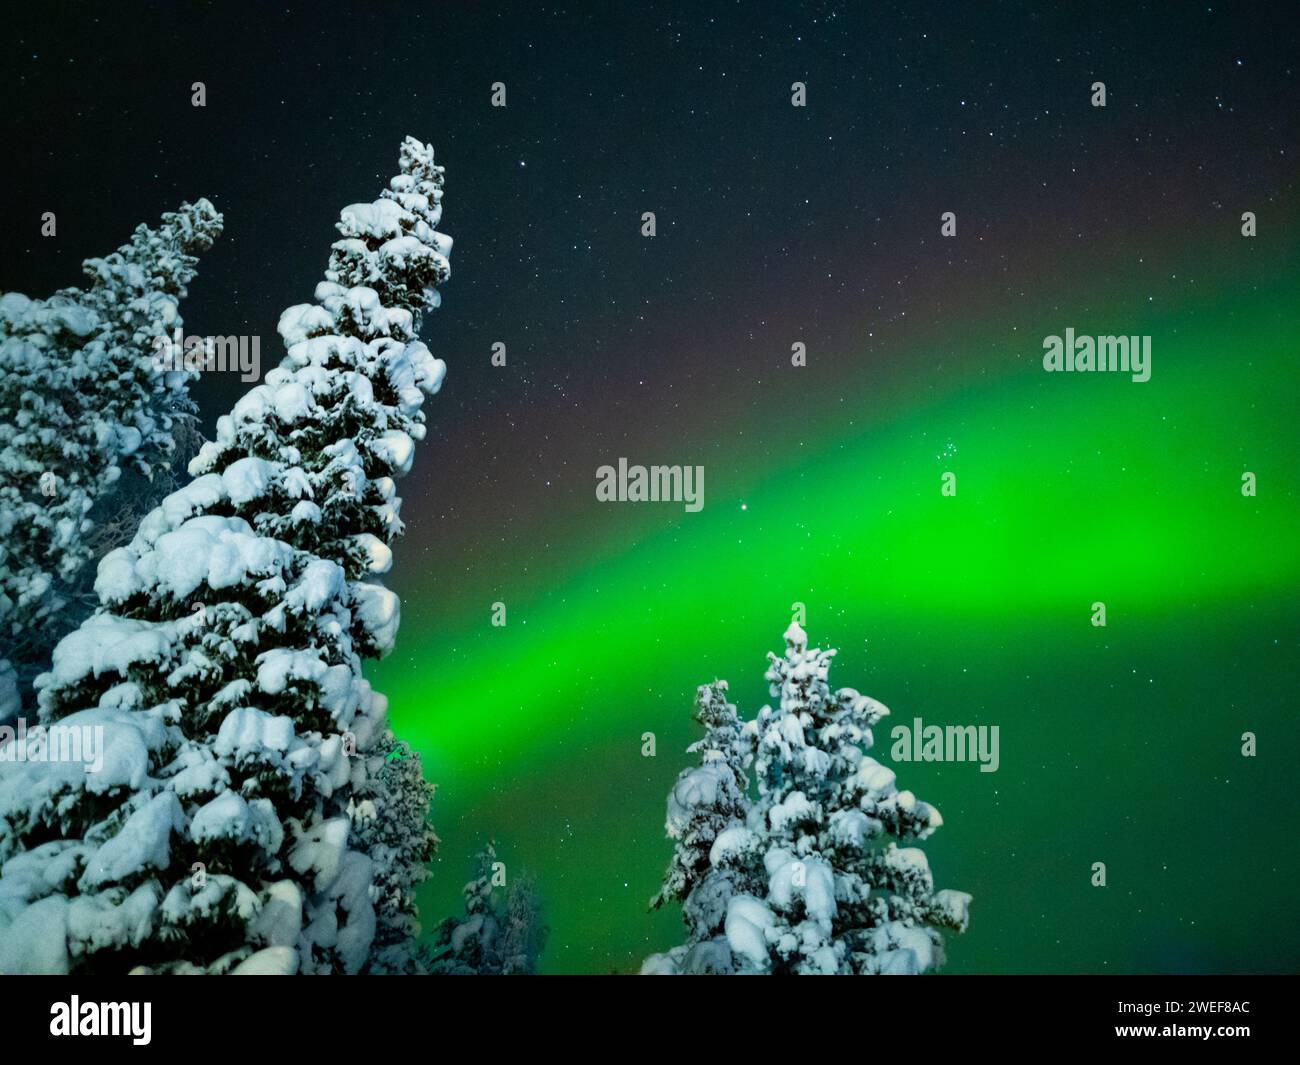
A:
[779,224]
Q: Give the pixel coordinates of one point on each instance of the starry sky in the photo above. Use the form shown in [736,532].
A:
[777,225]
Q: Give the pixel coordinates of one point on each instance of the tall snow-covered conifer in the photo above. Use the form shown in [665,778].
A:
[809,878]
[230,824]
[88,419]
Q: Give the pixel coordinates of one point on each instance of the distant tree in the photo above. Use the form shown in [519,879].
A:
[523,937]
[492,939]
[390,816]
[809,875]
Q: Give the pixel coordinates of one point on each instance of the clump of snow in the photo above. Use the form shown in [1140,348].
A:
[379,612]
[273,961]
[36,939]
[749,923]
[143,843]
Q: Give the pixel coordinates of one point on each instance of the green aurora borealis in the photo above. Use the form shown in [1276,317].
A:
[1120,744]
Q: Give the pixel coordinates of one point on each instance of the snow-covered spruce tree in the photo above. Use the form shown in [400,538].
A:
[820,883]
[466,946]
[489,940]
[705,801]
[230,826]
[89,422]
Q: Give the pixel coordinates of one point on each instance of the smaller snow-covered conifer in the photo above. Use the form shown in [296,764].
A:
[88,431]
[704,802]
[815,879]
